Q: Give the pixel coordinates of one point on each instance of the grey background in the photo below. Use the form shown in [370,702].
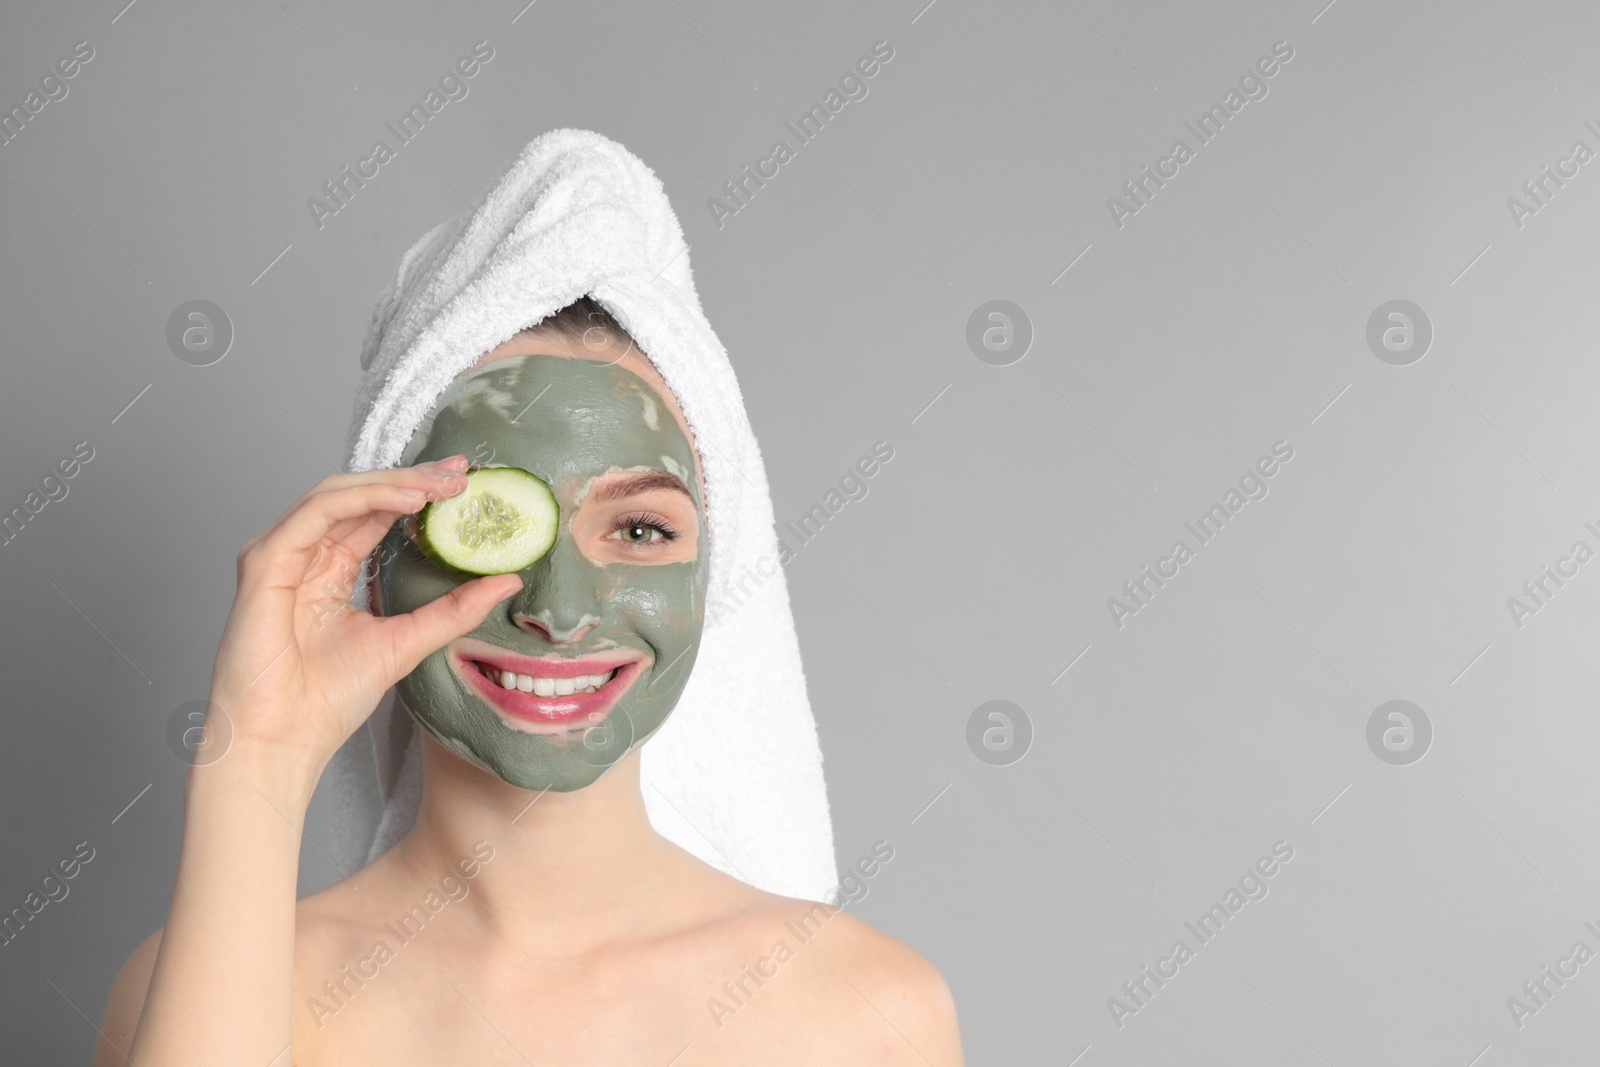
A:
[1228,314]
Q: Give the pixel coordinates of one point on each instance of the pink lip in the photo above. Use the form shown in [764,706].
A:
[553,714]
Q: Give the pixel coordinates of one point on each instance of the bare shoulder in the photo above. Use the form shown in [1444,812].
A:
[125,1003]
[325,924]
[901,987]
[880,1000]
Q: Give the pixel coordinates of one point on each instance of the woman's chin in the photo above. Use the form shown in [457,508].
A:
[563,769]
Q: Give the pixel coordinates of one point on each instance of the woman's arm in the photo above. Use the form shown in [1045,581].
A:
[216,982]
[297,671]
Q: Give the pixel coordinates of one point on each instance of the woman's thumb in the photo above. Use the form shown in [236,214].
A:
[435,624]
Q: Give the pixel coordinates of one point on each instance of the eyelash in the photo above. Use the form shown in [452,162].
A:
[655,522]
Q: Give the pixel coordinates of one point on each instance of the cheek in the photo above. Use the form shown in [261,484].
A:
[664,604]
[405,586]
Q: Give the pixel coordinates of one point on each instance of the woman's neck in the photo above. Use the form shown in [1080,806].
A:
[566,868]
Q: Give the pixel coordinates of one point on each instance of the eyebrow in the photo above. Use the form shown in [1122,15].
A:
[640,482]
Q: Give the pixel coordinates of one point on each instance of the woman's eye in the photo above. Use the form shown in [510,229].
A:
[643,530]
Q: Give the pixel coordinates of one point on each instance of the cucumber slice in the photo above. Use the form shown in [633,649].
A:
[503,521]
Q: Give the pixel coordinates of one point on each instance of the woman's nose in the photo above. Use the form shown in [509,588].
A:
[559,597]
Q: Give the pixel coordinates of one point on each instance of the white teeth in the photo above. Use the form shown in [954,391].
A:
[548,687]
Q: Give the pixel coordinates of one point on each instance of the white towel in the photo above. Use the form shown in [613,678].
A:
[735,774]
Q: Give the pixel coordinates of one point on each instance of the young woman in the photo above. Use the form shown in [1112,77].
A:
[513,924]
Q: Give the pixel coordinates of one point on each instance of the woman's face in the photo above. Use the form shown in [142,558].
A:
[620,595]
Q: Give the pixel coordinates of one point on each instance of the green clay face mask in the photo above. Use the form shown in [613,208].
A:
[584,663]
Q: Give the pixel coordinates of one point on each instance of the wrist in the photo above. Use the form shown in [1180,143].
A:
[287,778]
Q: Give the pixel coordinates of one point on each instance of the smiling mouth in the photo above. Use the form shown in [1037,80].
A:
[544,694]
[545,687]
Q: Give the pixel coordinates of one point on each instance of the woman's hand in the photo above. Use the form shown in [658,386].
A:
[298,667]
